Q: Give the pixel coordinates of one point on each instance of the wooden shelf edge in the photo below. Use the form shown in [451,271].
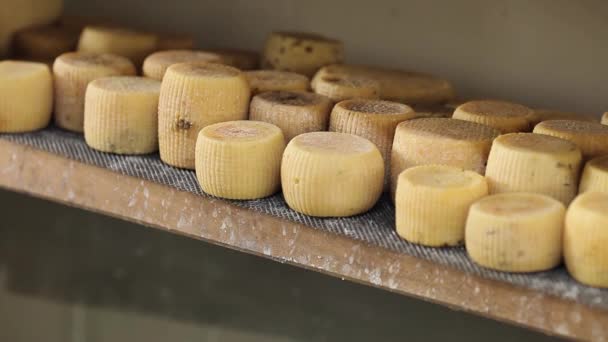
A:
[42,174]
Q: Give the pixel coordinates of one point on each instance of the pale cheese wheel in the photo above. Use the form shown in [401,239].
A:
[529,162]
[121,114]
[345,87]
[156,64]
[515,232]
[303,53]
[440,141]
[412,88]
[240,159]
[193,96]
[586,238]
[44,42]
[26,96]
[241,59]
[595,176]
[374,120]
[329,174]
[293,112]
[270,80]
[134,45]
[505,116]
[605,119]
[590,137]
[432,203]
[540,115]
[72,72]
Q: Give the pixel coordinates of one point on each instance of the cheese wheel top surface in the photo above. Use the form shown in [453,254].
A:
[533,142]
[182,56]
[495,108]
[333,143]
[517,204]
[573,127]
[375,107]
[209,70]
[127,84]
[93,60]
[240,131]
[350,81]
[441,176]
[450,129]
[293,98]
[594,202]
[18,69]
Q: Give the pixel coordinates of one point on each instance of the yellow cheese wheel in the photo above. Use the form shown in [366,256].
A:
[515,232]
[586,238]
[134,45]
[293,112]
[329,174]
[373,120]
[432,202]
[240,159]
[269,80]
[26,96]
[193,96]
[595,175]
[72,72]
[540,115]
[303,53]
[440,141]
[241,59]
[175,41]
[345,87]
[44,42]
[591,137]
[504,116]
[156,64]
[605,119]
[529,162]
[121,114]
[412,88]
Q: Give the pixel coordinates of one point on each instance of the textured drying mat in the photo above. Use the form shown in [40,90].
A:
[375,227]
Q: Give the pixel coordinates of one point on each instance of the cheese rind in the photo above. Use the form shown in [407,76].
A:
[293,112]
[595,176]
[590,137]
[134,45]
[272,80]
[121,114]
[72,72]
[515,232]
[345,87]
[432,202]
[26,96]
[586,238]
[193,96]
[239,159]
[156,64]
[529,162]
[505,116]
[329,174]
[303,53]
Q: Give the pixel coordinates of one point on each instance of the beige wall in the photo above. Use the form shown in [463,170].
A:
[551,53]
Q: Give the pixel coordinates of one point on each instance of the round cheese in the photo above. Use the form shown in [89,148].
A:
[329,174]
[529,162]
[123,42]
[121,114]
[515,232]
[239,159]
[293,112]
[504,116]
[586,238]
[193,96]
[591,137]
[339,88]
[595,176]
[432,202]
[72,72]
[156,64]
[270,80]
[26,96]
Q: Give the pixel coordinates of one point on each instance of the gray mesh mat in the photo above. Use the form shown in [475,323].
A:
[375,227]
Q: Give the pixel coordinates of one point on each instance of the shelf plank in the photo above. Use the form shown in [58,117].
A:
[42,174]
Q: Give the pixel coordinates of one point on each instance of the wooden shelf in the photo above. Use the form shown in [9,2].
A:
[42,174]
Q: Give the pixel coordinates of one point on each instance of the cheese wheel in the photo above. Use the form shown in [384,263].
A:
[269,80]
[239,159]
[303,53]
[121,114]
[26,96]
[457,143]
[432,202]
[586,238]
[591,137]
[433,111]
[540,115]
[504,116]
[396,85]
[72,72]
[241,59]
[156,64]
[605,119]
[193,96]
[44,43]
[595,176]
[329,174]
[175,41]
[373,120]
[515,232]
[293,112]
[128,43]
[339,88]
[529,162]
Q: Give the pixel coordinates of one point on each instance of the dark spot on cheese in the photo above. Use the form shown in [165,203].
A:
[308,49]
[183,124]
